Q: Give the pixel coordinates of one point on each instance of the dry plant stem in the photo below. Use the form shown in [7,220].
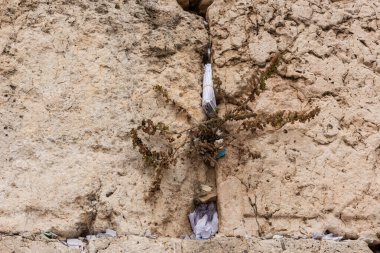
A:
[180,146]
[236,114]
[258,84]
[204,123]
[165,94]
[202,136]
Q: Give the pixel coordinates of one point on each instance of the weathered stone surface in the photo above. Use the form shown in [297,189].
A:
[74,79]
[323,174]
[135,244]
[230,206]
[76,76]
[18,244]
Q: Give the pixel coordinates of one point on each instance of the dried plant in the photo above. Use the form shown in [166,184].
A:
[158,160]
[165,94]
[210,137]
[270,71]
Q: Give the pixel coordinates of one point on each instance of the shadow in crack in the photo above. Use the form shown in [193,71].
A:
[198,7]
[375,247]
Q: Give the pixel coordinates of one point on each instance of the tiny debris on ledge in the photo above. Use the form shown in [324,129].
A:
[206,194]
[327,236]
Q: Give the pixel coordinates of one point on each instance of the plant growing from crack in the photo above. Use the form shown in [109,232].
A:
[204,138]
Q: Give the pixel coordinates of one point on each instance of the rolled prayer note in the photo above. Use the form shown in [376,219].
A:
[208,97]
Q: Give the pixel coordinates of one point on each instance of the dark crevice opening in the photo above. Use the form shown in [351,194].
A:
[375,247]
[194,8]
[203,205]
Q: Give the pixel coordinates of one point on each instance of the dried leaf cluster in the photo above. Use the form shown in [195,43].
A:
[158,160]
[210,137]
[164,93]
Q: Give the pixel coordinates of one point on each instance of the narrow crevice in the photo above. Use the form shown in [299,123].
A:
[205,200]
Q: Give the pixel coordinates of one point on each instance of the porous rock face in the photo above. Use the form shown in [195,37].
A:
[136,244]
[322,175]
[76,76]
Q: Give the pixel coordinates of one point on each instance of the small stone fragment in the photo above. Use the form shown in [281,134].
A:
[74,243]
[91,237]
[207,194]
[111,233]
[108,233]
[206,188]
[220,141]
[209,197]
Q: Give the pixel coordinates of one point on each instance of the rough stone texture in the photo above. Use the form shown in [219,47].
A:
[316,176]
[135,244]
[75,77]
[231,202]
[18,244]
[224,244]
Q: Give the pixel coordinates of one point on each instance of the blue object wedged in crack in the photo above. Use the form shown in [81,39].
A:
[221,153]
